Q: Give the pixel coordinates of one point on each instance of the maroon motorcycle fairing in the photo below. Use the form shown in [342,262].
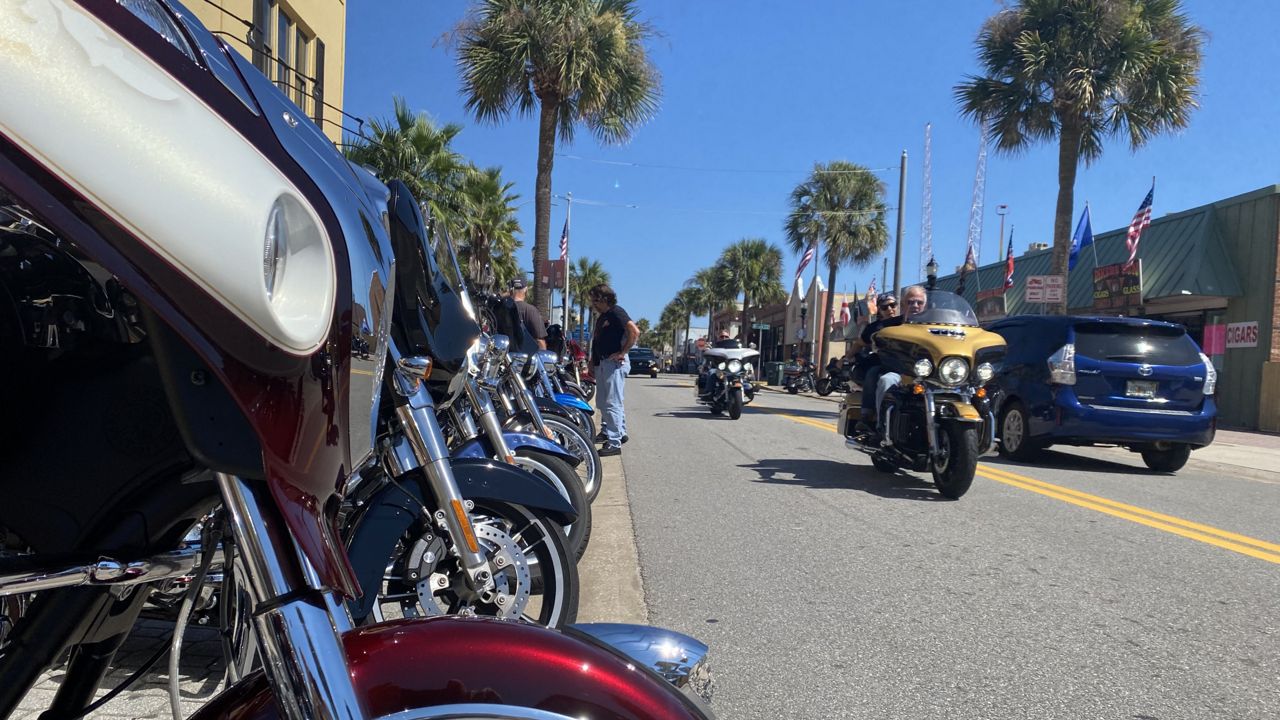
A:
[296,405]
[422,663]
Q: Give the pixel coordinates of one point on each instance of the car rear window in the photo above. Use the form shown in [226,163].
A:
[641,353]
[1154,345]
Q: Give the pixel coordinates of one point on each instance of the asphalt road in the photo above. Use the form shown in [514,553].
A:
[1080,587]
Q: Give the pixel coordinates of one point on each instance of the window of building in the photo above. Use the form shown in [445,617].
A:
[301,46]
[284,32]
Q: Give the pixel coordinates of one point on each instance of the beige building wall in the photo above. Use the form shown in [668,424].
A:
[310,63]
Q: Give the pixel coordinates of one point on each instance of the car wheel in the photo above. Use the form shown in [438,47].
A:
[1014,430]
[1169,459]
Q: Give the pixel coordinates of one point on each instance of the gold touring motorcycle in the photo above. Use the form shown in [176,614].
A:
[939,416]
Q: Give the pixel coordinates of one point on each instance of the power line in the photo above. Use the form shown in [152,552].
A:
[729,211]
[687,168]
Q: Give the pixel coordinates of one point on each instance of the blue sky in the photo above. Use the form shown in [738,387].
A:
[755,92]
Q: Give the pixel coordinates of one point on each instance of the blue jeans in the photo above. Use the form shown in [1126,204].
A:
[886,381]
[610,377]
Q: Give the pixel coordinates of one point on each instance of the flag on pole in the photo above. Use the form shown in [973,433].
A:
[808,256]
[564,241]
[1141,220]
[1008,263]
[844,312]
[871,298]
[970,264]
[1082,238]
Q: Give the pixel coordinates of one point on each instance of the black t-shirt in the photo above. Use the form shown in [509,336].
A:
[879,325]
[532,320]
[611,330]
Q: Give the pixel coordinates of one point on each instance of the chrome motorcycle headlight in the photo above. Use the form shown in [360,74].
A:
[735,366]
[923,367]
[500,345]
[546,357]
[985,372]
[518,361]
[721,366]
[477,354]
[953,371]
[747,368]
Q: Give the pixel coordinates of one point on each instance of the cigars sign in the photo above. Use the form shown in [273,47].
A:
[1242,335]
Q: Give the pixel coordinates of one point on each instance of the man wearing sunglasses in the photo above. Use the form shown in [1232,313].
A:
[915,298]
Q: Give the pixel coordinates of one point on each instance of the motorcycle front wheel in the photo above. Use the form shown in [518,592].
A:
[792,389]
[534,575]
[573,438]
[735,405]
[824,387]
[956,460]
[565,480]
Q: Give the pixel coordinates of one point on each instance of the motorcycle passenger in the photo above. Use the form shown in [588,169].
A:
[914,299]
[886,316]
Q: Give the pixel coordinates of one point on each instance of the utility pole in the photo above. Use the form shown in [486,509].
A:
[564,259]
[1001,210]
[902,202]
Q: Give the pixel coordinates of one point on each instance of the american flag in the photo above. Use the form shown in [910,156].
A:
[1008,263]
[1141,220]
[808,255]
[871,289]
[564,242]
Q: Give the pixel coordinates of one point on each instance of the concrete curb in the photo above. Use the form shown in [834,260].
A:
[609,572]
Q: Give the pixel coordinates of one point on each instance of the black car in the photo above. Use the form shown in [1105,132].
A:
[643,362]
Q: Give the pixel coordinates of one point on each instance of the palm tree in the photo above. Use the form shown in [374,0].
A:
[688,302]
[715,290]
[669,320]
[1079,71]
[584,275]
[487,226]
[753,267]
[413,149]
[574,61]
[840,208]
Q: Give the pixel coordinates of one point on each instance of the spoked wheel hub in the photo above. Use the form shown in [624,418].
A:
[442,588]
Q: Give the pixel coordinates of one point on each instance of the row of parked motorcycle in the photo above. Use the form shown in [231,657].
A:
[247,384]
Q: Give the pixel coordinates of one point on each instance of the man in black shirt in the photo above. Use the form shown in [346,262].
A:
[615,334]
[529,315]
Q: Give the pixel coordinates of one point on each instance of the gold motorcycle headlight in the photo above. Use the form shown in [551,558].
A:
[953,371]
[923,367]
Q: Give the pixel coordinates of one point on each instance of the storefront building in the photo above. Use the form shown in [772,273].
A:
[1212,269]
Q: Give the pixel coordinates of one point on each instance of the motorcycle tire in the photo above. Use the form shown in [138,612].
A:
[958,450]
[573,438]
[552,575]
[565,480]
[824,386]
[588,390]
[735,405]
[793,389]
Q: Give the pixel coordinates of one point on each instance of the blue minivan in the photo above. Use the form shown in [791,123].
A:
[1072,380]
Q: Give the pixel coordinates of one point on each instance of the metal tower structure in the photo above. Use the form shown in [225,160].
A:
[979,196]
[926,212]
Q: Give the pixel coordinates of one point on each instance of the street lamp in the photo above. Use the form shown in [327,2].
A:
[804,309]
[931,271]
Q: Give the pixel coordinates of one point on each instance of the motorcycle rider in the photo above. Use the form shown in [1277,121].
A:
[704,372]
[915,298]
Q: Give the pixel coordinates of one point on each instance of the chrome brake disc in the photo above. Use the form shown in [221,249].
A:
[511,581]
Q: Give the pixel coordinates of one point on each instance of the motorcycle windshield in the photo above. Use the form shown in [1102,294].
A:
[945,308]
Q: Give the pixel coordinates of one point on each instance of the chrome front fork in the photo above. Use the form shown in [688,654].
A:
[430,452]
[482,403]
[299,623]
[525,398]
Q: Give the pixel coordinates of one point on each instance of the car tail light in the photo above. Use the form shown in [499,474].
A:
[1210,375]
[1062,365]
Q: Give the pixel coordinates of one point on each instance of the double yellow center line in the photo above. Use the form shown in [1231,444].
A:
[1224,539]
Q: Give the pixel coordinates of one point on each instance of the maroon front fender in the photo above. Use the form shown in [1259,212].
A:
[407,664]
